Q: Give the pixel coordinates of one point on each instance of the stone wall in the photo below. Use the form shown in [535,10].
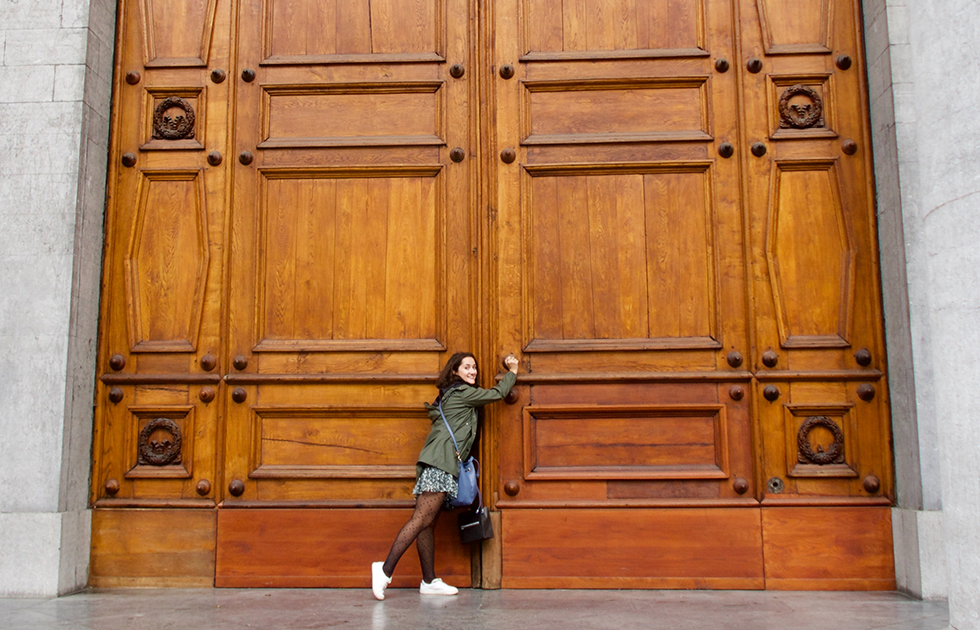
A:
[921,76]
[55,82]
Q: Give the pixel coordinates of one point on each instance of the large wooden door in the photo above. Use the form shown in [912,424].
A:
[687,260]
[350,276]
[663,207]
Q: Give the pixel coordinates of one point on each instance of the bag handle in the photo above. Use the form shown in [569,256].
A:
[450,429]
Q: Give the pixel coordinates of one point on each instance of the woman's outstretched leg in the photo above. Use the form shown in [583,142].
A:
[425,542]
[427,507]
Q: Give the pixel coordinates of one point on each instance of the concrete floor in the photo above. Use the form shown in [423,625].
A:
[293,609]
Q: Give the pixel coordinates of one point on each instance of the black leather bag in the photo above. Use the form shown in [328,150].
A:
[475,525]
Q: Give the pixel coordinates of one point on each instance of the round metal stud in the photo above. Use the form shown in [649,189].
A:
[236,488]
[726,150]
[112,487]
[218,75]
[722,65]
[208,362]
[872,484]
[775,485]
[843,62]
[508,155]
[736,392]
[758,149]
[117,362]
[457,154]
[239,394]
[866,392]
[770,393]
[245,157]
[511,488]
[770,359]
[863,357]
[512,397]
[133,77]
[734,358]
[506,71]
[240,362]
[128,160]
[740,485]
[214,158]
[206,394]
[203,487]
[115,394]
[849,147]
[754,65]
[248,75]
[456,70]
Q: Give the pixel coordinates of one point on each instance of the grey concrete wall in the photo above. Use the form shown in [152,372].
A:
[917,520]
[55,81]
[946,73]
[921,76]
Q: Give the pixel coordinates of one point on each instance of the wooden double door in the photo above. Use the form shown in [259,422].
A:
[663,207]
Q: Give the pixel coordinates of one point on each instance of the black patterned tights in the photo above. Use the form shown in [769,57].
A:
[420,528]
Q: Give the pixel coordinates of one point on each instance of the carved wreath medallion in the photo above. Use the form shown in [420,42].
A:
[800,107]
[159,443]
[173,119]
[834,454]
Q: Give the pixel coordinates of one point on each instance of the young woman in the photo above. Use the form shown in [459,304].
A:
[436,469]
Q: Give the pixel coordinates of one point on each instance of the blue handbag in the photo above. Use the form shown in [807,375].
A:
[468,472]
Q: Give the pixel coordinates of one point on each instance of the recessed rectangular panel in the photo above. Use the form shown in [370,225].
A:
[796,27]
[810,254]
[621,258]
[176,33]
[337,442]
[152,547]
[349,260]
[352,115]
[638,442]
[566,112]
[828,548]
[330,548]
[627,28]
[314,31]
[635,548]
[167,262]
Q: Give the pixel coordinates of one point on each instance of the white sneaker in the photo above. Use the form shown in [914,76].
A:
[437,587]
[379,581]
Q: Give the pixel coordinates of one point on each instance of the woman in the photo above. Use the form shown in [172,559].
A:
[437,468]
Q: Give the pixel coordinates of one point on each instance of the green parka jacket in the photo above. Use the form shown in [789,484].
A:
[460,405]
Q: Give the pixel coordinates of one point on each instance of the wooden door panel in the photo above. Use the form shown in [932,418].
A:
[158,447]
[156,434]
[631,27]
[606,268]
[823,440]
[638,548]
[627,445]
[339,31]
[348,259]
[809,196]
[167,262]
[176,33]
[803,27]
[810,254]
[332,548]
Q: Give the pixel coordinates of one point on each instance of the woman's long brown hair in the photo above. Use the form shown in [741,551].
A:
[448,376]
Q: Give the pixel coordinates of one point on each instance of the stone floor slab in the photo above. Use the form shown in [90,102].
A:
[301,609]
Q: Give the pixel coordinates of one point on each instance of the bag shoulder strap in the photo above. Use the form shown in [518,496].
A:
[450,429]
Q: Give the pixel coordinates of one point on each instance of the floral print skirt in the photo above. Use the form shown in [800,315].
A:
[434,479]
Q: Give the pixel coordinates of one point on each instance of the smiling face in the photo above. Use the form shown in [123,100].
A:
[467,370]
